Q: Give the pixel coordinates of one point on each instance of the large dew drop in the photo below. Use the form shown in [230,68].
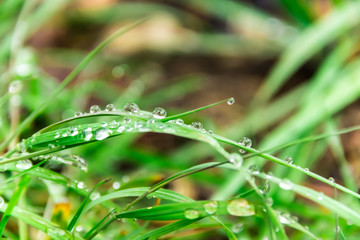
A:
[87,134]
[102,133]
[231,101]
[159,113]
[240,207]
[236,159]
[131,107]
[191,214]
[197,125]
[95,109]
[24,164]
[289,160]
[286,184]
[110,108]
[246,142]
[211,207]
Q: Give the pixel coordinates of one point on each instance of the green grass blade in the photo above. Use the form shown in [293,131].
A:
[93,229]
[67,80]
[13,201]
[24,172]
[80,211]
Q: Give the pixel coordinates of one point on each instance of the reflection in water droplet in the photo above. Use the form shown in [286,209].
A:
[131,107]
[231,101]
[159,113]
[77,114]
[246,142]
[197,125]
[211,207]
[110,108]
[24,164]
[191,214]
[102,133]
[95,109]
[240,207]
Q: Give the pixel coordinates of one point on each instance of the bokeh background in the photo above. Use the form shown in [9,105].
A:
[292,67]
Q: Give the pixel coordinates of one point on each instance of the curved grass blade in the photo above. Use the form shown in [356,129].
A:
[79,212]
[67,80]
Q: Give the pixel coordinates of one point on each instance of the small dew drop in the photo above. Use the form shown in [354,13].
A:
[269,201]
[286,184]
[131,107]
[236,228]
[79,229]
[210,132]
[116,185]
[246,142]
[110,108]
[331,179]
[24,164]
[231,101]
[306,170]
[95,195]
[240,207]
[191,214]
[77,114]
[197,125]
[211,207]
[289,160]
[265,188]
[127,120]
[95,109]
[179,121]
[121,129]
[73,131]
[101,133]
[159,113]
[236,159]
[87,134]
[285,218]
[57,135]
[80,185]
[253,169]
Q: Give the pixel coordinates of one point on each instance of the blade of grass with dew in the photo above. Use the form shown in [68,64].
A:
[24,172]
[79,212]
[67,80]
[155,234]
[311,41]
[13,202]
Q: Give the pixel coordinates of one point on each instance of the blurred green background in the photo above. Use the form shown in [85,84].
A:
[292,66]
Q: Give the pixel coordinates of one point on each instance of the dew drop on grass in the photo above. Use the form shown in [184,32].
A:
[265,188]
[197,125]
[87,134]
[269,201]
[77,114]
[289,159]
[286,184]
[95,195]
[116,185]
[2,201]
[236,159]
[179,121]
[236,228]
[253,169]
[240,207]
[210,132]
[121,129]
[57,135]
[110,108]
[285,218]
[24,164]
[131,107]
[127,120]
[95,109]
[51,145]
[191,214]
[159,113]
[79,228]
[211,207]
[73,131]
[331,179]
[246,142]
[80,185]
[231,101]
[321,196]
[104,124]
[114,124]
[101,133]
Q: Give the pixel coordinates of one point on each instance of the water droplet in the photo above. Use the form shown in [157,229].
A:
[131,107]
[285,218]
[246,142]
[15,87]
[236,159]
[306,170]
[265,188]
[79,228]
[73,131]
[65,134]
[77,114]
[116,185]
[101,133]
[231,101]
[51,145]
[110,108]
[331,179]
[289,159]
[240,207]
[253,169]
[197,125]
[159,113]
[269,201]
[21,146]
[321,196]
[95,195]
[87,134]
[211,207]
[2,201]
[104,124]
[210,132]
[121,129]
[114,124]
[80,185]
[179,121]
[191,214]
[286,184]
[95,109]
[57,135]
[127,120]
[24,164]
[236,228]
